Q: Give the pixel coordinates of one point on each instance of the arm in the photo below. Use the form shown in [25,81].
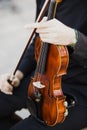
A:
[26,66]
[80,50]
[28,62]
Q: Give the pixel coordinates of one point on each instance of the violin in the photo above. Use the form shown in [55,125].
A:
[46,100]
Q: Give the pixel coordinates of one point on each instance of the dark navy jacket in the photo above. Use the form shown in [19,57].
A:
[74,14]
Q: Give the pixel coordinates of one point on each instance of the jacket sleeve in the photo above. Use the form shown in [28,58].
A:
[80,50]
[28,62]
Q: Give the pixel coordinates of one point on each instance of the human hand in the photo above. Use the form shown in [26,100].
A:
[54,32]
[16,79]
[8,81]
[5,87]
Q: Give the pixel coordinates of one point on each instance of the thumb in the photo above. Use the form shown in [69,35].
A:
[44,19]
[15,82]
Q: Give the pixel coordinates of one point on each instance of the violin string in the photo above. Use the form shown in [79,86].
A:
[44,55]
[41,64]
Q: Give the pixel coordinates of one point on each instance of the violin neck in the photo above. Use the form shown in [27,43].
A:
[41,64]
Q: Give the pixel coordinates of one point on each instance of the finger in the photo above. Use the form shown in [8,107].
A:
[15,82]
[7,89]
[44,39]
[49,38]
[39,25]
[5,76]
[35,25]
[44,30]
[8,93]
[31,26]
[44,19]
[11,77]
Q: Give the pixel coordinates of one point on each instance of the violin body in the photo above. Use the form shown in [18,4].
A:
[45,90]
[52,99]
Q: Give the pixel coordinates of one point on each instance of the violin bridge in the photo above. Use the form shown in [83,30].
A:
[38,84]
